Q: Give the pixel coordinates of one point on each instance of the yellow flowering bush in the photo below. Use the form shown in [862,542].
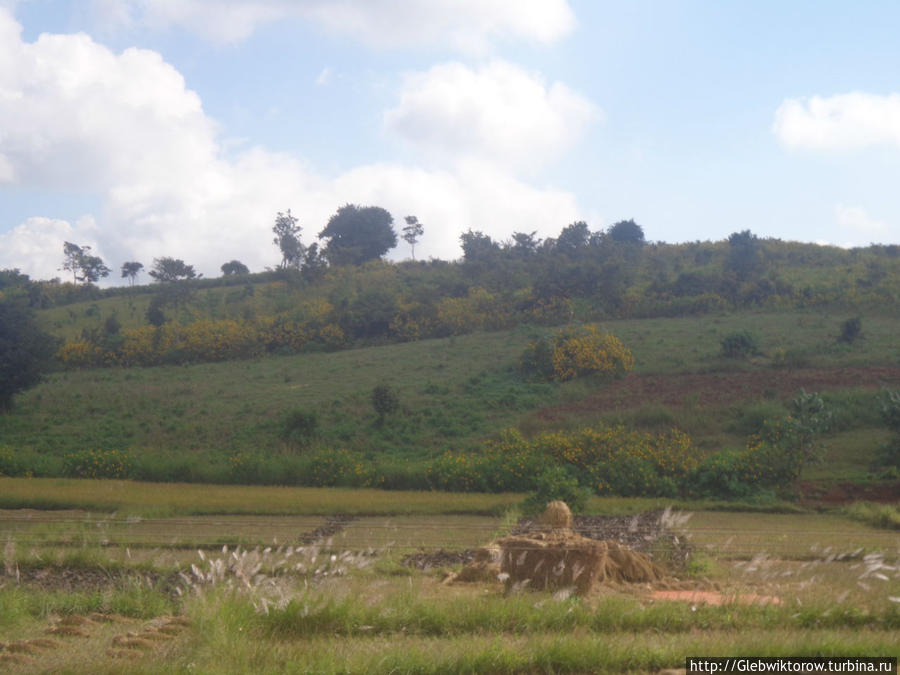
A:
[97,464]
[571,353]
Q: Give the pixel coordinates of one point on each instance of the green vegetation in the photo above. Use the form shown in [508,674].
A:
[832,576]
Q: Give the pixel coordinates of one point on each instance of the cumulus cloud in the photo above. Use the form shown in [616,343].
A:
[35,246]
[124,127]
[842,122]
[468,25]
[498,112]
[858,221]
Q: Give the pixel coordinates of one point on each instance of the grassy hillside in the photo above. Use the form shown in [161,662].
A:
[199,422]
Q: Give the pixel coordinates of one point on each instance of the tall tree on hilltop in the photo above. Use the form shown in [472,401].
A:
[573,238]
[287,239]
[131,270]
[234,268]
[357,234]
[626,232]
[744,259]
[83,266]
[477,246]
[412,232]
[166,270]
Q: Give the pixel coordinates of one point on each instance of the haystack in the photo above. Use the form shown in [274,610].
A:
[485,567]
[557,516]
[556,557]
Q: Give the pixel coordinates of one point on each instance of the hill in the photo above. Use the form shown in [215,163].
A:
[231,421]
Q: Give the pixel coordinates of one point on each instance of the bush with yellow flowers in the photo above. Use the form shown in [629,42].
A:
[576,352]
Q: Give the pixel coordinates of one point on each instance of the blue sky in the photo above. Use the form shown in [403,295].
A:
[148,128]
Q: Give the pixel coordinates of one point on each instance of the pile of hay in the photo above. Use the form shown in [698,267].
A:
[556,557]
[485,567]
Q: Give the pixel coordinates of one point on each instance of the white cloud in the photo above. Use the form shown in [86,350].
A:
[35,246]
[468,25]
[124,127]
[842,122]
[324,77]
[498,112]
[858,220]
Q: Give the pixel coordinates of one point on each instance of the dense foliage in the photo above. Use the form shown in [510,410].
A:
[25,350]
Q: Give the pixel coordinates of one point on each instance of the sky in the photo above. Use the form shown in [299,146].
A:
[180,128]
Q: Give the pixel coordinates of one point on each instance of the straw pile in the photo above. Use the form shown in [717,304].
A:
[557,557]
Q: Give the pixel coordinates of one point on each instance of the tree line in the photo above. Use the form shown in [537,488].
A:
[353,236]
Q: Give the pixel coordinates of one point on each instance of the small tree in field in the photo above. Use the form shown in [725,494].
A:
[385,401]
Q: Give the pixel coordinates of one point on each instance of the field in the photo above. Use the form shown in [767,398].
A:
[114,591]
[162,519]
[224,422]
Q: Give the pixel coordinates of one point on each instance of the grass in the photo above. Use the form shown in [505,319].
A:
[168,499]
[372,619]
[183,423]
[879,515]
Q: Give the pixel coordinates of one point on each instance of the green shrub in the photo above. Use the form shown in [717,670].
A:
[556,483]
[385,401]
[752,418]
[851,331]
[330,468]
[890,409]
[739,345]
[10,463]
[724,474]
[300,426]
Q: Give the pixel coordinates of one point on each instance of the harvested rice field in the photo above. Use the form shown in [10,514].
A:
[84,592]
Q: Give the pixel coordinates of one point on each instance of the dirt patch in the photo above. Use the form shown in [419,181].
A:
[77,579]
[332,526]
[427,560]
[716,389]
[826,494]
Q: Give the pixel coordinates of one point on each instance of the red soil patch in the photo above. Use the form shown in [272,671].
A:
[834,494]
[718,389]
[715,598]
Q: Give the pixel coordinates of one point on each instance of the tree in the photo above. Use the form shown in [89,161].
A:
[314,263]
[477,246]
[385,401]
[810,418]
[524,244]
[234,268]
[78,259]
[412,232]
[287,239]
[744,255]
[166,270]
[25,350]
[357,234]
[573,238]
[131,270]
[626,232]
